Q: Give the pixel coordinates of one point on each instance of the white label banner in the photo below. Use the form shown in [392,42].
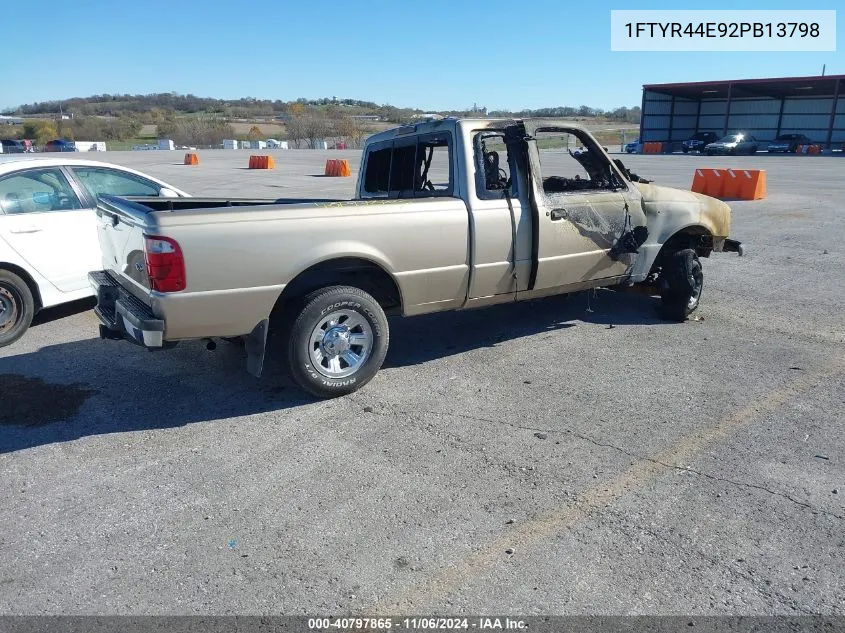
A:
[700,30]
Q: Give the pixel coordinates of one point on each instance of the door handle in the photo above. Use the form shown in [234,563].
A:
[558,214]
[28,229]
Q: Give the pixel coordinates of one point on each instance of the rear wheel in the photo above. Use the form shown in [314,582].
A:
[337,342]
[682,285]
[17,307]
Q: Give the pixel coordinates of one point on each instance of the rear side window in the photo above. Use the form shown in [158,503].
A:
[418,167]
[100,180]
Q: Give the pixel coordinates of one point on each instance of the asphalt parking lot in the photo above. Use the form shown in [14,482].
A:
[573,455]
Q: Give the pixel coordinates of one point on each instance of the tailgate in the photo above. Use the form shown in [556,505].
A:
[121,225]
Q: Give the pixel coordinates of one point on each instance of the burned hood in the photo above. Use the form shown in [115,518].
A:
[686,207]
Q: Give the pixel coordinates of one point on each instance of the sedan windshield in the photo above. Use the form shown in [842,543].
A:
[731,138]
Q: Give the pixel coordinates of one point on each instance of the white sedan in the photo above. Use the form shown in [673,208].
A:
[48,230]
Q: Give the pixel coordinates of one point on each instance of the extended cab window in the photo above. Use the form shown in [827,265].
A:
[415,167]
[570,163]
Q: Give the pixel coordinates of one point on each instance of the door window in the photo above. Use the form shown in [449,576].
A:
[492,166]
[37,191]
[101,180]
[569,163]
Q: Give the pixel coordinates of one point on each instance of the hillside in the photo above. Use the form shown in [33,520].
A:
[125,120]
[147,108]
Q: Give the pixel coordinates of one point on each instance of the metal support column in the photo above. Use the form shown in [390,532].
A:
[668,147]
[833,113]
[727,110]
[698,117]
[780,115]
[642,118]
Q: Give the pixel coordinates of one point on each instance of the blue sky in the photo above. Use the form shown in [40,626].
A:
[430,54]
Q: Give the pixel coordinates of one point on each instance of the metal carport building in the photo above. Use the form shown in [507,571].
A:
[765,108]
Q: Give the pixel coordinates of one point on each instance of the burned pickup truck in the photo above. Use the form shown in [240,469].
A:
[448,215]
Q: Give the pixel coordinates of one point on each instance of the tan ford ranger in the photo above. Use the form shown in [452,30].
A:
[450,214]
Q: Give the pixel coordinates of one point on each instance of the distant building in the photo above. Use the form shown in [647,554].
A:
[764,108]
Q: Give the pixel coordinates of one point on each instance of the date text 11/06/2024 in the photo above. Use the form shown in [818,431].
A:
[416,624]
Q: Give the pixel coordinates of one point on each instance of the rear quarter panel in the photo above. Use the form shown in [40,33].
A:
[239,261]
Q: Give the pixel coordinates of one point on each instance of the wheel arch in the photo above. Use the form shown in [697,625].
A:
[27,279]
[695,236]
[357,271]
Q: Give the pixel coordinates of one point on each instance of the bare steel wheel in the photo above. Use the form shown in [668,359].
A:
[16,307]
[338,341]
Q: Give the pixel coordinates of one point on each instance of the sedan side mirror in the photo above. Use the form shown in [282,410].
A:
[165,192]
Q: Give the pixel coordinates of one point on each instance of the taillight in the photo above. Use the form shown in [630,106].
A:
[165,264]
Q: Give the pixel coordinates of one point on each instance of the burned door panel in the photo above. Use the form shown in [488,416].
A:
[584,206]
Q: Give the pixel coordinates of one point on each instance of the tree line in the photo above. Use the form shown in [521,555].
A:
[146,108]
[79,129]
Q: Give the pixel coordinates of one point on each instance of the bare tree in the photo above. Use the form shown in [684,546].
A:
[316,127]
[352,130]
[295,130]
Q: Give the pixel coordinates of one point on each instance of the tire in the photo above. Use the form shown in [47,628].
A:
[682,285]
[685,149]
[320,341]
[17,307]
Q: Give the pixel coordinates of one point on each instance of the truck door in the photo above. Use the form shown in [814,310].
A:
[583,206]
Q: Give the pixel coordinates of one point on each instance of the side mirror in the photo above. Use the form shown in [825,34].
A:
[166,192]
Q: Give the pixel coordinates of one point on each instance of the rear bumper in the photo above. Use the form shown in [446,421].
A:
[124,316]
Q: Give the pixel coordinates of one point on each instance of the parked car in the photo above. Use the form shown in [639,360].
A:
[48,230]
[698,141]
[733,144]
[492,222]
[788,143]
[60,145]
[12,146]
[632,147]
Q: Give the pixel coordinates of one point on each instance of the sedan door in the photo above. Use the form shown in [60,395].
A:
[45,220]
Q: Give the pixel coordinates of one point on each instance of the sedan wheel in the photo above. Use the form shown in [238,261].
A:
[17,307]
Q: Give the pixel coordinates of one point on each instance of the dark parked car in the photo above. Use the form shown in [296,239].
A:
[13,146]
[733,144]
[631,148]
[697,141]
[788,143]
[60,145]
